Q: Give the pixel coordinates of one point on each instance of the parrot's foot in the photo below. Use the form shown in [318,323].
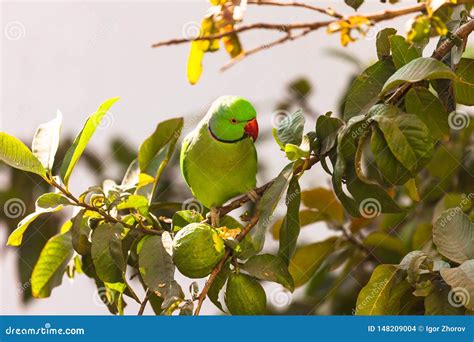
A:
[214,216]
[253,196]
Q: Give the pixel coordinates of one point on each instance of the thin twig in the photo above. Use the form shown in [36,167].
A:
[250,52]
[144,302]
[312,26]
[328,11]
[215,272]
[101,212]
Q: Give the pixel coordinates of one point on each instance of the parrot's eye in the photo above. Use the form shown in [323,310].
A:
[233,120]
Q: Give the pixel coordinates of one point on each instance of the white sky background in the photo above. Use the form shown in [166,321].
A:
[74,55]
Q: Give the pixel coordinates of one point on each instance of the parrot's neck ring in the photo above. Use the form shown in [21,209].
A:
[222,140]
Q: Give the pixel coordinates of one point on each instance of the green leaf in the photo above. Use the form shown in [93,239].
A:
[391,170]
[307,260]
[294,152]
[423,68]
[453,235]
[46,141]
[155,152]
[80,233]
[416,263]
[355,4]
[290,227]
[52,200]
[429,109]
[326,132]
[267,205]
[364,91]
[156,264]
[408,139]
[14,153]
[383,42]
[271,268]
[133,202]
[165,133]
[438,302]
[461,280]
[105,242]
[464,86]
[182,218]
[382,294]
[324,201]
[46,203]
[402,51]
[79,145]
[290,129]
[51,265]
[385,246]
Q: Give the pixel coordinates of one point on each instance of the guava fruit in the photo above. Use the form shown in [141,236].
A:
[197,248]
[244,295]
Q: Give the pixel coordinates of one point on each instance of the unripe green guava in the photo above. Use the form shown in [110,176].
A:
[197,248]
[245,296]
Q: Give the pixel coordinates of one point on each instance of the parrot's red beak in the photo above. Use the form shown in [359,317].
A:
[251,129]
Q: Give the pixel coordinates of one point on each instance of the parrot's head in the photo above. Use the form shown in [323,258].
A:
[232,118]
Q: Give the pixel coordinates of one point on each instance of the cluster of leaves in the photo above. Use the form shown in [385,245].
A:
[220,19]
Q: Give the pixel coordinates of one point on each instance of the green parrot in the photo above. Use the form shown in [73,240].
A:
[218,158]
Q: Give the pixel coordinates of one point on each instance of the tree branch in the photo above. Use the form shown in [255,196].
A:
[311,26]
[328,11]
[228,253]
[461,33]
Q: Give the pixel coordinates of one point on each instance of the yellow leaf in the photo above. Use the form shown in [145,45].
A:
[196,54]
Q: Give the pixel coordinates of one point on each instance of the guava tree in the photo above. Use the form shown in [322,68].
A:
[398,152]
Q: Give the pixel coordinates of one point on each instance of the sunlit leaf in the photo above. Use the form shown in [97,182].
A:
[79,145]
[51,265]
[14,153]
[46,141]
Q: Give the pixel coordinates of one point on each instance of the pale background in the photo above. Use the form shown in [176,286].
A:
[73,55]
